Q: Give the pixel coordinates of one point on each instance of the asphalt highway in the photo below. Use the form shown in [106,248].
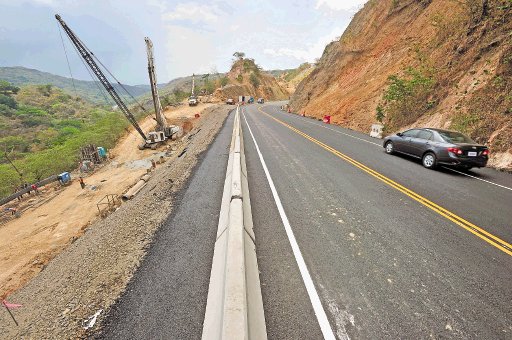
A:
[352,243]
[393,250]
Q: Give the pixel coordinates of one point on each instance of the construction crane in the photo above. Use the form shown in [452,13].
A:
[192,100]
[163,131]
[89,57]
[154,89]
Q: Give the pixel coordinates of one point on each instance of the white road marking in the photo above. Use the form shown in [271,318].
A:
[306,278]
[379,145]
[480,179]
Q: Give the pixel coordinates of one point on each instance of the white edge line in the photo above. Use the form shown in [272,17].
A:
[364,140]
[480,179]
[343,133]
[308,282]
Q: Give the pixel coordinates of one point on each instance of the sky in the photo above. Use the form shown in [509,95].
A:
[188,36]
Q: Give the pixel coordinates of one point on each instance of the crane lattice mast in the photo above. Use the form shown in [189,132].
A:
[87,55]
[154,89]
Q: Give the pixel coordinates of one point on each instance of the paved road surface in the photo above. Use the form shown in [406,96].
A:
[386,248]
[383,264]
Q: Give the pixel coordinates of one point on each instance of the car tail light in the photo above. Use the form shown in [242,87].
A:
[485,152]
[455,151]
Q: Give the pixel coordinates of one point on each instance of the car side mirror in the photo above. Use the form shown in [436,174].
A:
[399,134]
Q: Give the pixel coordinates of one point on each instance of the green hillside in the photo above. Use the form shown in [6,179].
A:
[86,89]
[42,128]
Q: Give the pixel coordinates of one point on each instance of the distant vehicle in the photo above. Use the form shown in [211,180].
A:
[230,101]
[251,100]
[192,101]
[436,146]
[261,100]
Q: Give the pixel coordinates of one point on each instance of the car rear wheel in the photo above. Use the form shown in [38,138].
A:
[429,160]
[390,148]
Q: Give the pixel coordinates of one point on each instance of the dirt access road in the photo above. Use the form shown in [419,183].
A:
[52,220]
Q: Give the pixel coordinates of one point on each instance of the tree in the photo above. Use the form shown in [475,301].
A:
[224,81]
[8,89]
[379,114]
[239,55]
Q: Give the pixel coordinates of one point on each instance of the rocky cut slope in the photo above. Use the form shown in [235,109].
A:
[436,63]
[247,78]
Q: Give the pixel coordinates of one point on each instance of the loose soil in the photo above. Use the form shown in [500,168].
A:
[71,262]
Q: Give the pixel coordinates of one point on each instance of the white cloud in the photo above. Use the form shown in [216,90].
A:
[49,3]
[340,5]
[188,51]
[309,53]
[194,13]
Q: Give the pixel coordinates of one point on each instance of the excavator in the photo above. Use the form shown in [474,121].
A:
[163,131]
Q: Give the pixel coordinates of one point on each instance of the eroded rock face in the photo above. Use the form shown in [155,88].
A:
[245,78]
[464,45]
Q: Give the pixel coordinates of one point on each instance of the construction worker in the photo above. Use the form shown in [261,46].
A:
[82,184]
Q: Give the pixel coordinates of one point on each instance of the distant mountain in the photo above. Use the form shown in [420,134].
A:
[85,89]
[278,73]
[185,83]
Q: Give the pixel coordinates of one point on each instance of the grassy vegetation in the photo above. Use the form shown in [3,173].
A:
[44,130]
[295,72]
[465,122]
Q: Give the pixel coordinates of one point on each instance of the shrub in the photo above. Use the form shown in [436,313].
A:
[407,97]
[224,81]
[8,101]
[254,80]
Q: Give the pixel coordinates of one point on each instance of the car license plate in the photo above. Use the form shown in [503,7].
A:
[472,153]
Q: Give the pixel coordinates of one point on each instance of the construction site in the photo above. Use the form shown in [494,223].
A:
[44,220]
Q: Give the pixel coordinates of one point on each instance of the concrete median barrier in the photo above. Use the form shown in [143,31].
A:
[234,308]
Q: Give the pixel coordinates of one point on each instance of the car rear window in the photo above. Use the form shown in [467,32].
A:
[455,137]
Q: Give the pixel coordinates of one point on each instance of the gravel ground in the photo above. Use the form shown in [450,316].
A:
[93,271]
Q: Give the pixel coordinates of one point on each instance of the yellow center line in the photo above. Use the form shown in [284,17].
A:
[483,234]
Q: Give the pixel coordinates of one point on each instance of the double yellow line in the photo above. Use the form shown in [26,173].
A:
[483,234]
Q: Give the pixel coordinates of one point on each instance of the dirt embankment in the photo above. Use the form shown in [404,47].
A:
[453,66]
[93,258]
[246,78]
[291,79]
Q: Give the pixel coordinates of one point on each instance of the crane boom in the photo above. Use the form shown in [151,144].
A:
[154,90]
[87,55]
